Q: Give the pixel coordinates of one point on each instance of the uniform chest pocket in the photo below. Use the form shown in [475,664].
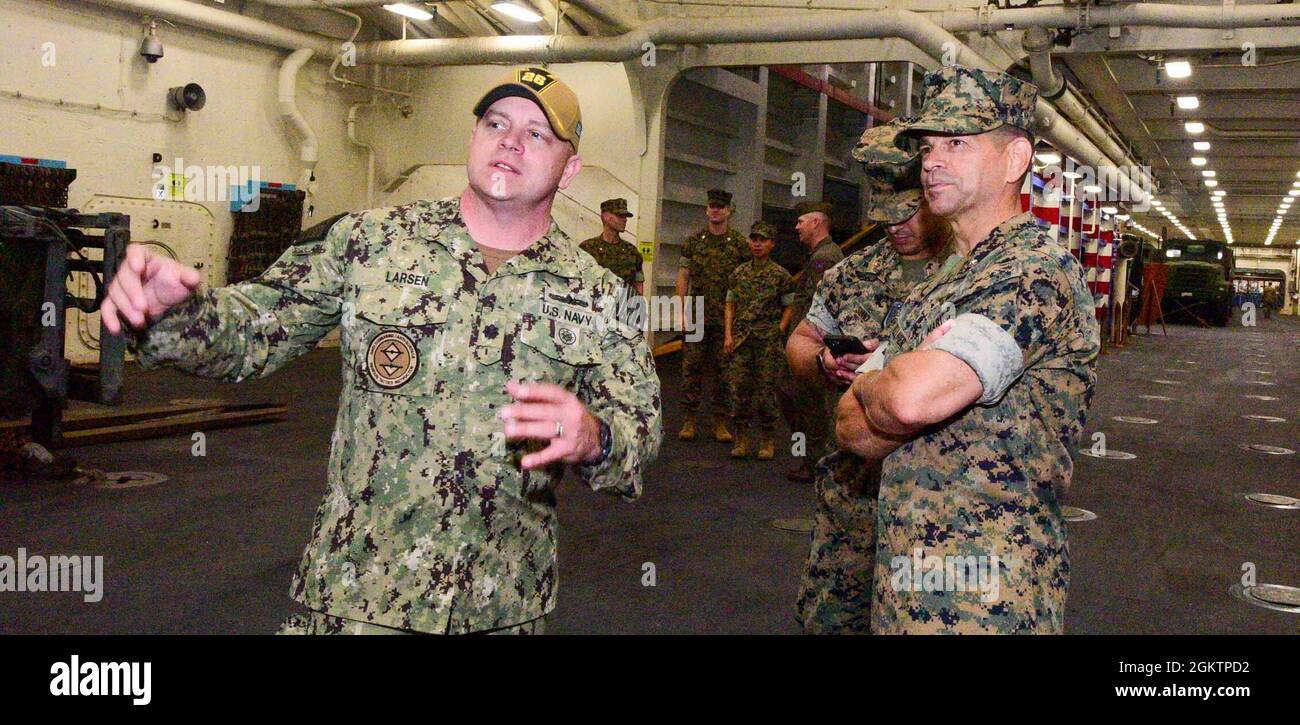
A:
[868,310]
[398,341]
[552,352]
[994,297]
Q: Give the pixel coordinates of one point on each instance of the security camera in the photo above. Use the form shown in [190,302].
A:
[151,47]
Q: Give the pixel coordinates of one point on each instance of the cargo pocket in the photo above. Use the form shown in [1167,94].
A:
[400,343]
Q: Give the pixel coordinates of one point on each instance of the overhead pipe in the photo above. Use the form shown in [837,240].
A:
[352,135]
[1037,43]
[788,27]
[1085,16]
[597,11]
[1052,86]
[810,27]
[910,26]
[288,91]
[222,21]
[931,32]
[1259,133]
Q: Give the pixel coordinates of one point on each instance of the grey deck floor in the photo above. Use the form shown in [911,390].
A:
[212,549]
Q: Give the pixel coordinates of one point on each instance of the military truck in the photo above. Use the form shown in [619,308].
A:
[1200,280]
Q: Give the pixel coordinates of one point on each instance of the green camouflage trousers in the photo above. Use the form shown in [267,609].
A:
[808,408]
[835,592]
[755,367]
[700,359]
[314,622]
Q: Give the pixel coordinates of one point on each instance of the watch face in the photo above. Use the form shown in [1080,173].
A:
[606,440]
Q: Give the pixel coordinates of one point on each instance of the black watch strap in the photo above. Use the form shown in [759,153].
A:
[606,444]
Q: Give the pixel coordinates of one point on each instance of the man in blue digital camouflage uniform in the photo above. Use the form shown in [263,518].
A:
[481,361]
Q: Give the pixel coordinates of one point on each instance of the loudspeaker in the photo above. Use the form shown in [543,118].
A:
[189,97]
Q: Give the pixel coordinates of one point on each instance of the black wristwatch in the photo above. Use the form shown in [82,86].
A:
[606,443]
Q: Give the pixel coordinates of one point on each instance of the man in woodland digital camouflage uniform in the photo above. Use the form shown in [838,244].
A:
[858,297]
[613,252]
[986,377]
[804,405]
[708,258]
[759,295]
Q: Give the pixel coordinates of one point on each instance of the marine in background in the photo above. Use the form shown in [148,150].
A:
[708,258]
[805,406]
[858,298]
[613,252]
[758,312]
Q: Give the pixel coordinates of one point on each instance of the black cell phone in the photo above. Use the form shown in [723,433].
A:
[841,345]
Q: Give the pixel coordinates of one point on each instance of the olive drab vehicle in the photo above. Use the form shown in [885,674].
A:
[1200,280]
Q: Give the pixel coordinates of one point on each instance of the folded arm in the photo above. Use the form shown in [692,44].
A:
[966,361]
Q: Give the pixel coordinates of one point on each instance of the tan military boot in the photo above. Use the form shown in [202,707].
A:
[720,432]
[766,448]
[741,447]
[687,433]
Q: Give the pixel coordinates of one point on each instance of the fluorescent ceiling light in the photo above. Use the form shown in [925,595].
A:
[1178,68]
[1109,210]
[1189,103]
[1094,189]
[1194,127]
[1071,174]
[1211,183]
[1294,192]
[1197,160]
[1048,157]
[413,13]
[1209,173]
[1201,145]
[1220,192]
[517,12]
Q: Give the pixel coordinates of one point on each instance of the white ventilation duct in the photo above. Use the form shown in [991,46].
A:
[288,97]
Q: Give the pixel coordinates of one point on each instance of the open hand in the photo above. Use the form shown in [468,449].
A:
[543,411]
[146,285]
